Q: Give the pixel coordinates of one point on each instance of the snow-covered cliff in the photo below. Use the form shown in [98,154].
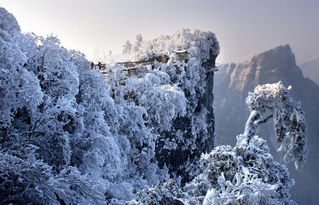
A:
[139,132]
[172,78]
[234,81]
[82,137]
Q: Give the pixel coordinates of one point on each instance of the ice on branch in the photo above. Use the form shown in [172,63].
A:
[274,101]
[247,173]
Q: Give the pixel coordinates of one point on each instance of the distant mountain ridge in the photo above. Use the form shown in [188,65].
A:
[234,81]
[310,69]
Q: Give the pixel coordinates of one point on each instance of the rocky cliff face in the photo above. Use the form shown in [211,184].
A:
[310,69]
[71,135]
[234,81]
[188,60]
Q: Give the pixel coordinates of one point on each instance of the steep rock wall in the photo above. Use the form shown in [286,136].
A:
[234,81]
[187,60]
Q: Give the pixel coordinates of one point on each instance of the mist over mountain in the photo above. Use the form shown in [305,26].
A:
[140,131]
[234,81]
[310,69]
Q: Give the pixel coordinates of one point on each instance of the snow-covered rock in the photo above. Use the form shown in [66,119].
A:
[247,173]
[8,22]
[172,78]
[234,81]
[90,138]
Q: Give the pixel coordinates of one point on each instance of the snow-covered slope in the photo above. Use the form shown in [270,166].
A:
[247,173]
[171,77]
[8,22]
[140,133]
[81,137]
[234,81]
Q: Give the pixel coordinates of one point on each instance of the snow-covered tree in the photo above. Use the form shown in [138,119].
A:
[127,48]
[70,135]
[87,146]
[138,42]
[273,101]
[246,173]
[172,91]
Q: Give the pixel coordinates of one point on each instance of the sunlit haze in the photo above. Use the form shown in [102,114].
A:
[243,27]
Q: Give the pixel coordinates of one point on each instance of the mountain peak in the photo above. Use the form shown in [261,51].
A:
[267,67]
[280,56]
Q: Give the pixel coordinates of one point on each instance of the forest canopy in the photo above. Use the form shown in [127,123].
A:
[72,135]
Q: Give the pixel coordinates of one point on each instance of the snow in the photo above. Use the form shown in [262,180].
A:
[134,135]
[289,121]
[245,173]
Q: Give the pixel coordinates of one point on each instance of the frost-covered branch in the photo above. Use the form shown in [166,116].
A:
[274,100]
[246,173]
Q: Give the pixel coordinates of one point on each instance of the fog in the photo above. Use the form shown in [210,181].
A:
[243,27]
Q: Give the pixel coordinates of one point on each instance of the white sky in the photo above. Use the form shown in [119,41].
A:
[243,27]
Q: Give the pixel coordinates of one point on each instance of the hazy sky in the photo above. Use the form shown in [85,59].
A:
[243,27]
